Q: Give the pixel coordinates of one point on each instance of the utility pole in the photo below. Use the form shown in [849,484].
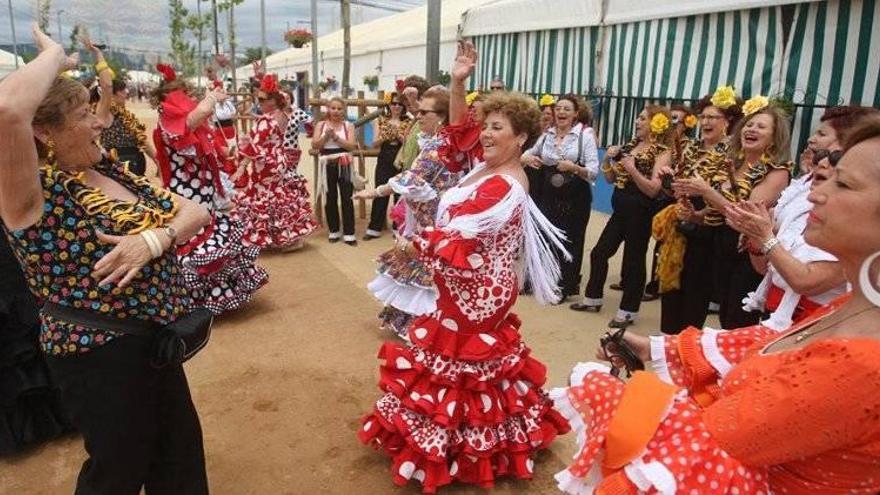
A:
[60,34]
[263,33]
[214,17]
[432,43]
[232,43]
[313,80]
[14,42]
[199,48]
[346,47]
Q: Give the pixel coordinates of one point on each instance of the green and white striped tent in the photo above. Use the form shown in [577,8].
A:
[815,53]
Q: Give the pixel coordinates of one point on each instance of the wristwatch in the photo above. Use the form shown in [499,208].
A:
[171,232]
[768,245]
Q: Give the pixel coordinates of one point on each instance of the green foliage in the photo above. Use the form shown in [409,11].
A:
[371,81]
[43,16]
[444,78]
[182,51]
[252,54]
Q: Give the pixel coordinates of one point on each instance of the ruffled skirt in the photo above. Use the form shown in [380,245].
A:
[680,457]
[221,274]
[406,288]
[30,408]
[276,214]
[446,417]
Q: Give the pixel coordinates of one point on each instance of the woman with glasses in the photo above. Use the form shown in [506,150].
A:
[685,264]
[798,278]
[567,161]
[758,169]
[390,130]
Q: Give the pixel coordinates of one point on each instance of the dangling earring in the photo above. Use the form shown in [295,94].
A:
[50,151]
[866,284]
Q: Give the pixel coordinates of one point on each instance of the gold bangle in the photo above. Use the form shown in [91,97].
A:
[101,66]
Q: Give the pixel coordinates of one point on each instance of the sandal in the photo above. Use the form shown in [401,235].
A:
[582,306]
[621,324]
[620,354]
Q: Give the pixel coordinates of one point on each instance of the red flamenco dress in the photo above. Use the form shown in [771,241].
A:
[220,273]
[275,203]
[463,401]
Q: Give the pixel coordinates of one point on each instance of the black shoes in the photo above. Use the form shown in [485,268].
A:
[582,306]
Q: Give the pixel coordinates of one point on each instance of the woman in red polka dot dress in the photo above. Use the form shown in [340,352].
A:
[463,402]
[752,411]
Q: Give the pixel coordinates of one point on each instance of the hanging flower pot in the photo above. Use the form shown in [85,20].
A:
[297,38]
[371,82]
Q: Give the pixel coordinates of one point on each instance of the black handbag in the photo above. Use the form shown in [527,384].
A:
[174,343]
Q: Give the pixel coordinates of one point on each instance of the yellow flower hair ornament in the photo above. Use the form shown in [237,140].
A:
[387,98]
[724,97]
[755,104]
[469,99]
[659,123]
[546,100]
[690,121]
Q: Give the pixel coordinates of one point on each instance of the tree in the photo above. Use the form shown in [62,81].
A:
[182,51]
[253,54]
[43,15]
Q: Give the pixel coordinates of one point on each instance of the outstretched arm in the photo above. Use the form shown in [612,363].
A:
[462,68]
[21,195]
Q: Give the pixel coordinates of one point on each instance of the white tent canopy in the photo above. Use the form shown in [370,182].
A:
[7,62]
[510,16]
[388,47]
[142,76]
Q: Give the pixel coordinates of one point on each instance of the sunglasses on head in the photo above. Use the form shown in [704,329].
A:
[832,156]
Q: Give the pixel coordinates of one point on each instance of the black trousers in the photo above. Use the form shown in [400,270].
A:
[630,224]
[139,423]
[385,170]
[568,207]
[735,278]
[339,190]
[689,305]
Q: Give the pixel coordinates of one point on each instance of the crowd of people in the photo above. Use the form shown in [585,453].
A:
[490,195]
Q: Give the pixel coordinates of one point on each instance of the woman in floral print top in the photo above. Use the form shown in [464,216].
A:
[95,239]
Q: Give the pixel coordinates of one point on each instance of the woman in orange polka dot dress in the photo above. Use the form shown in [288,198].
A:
[751,411]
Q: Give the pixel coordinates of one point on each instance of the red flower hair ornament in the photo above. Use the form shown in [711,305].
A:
[269,83]
[167,71]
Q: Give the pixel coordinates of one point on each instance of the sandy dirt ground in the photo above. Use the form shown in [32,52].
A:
[284,382]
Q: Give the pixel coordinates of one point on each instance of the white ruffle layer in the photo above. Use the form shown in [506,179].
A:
[413,300]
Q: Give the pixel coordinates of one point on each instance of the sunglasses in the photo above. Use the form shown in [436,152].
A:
[421,112]
[496,88]
[710,117]
[832,156]
[263,98]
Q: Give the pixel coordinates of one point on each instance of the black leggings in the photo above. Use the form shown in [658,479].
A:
[689,305]
[735,277]
[630,224]
[139,424]
[339,189]
[385,170]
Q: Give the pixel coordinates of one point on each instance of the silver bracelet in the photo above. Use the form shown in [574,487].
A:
[768,245]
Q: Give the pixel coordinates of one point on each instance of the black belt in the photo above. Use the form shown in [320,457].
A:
[226,122]
[92,319]
[331,151]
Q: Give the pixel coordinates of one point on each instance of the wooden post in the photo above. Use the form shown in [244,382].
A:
[346,48]
[318,203]
[362,110]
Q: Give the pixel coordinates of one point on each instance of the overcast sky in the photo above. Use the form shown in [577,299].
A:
[143,24]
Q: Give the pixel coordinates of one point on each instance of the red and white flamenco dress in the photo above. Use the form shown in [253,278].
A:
[220,273]
[463,400]
[721,415]
[274,205]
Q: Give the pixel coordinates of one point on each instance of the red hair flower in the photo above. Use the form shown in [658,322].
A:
[269,83]
[167,71]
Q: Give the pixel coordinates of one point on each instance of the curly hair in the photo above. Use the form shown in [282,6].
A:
[441,101]
[843,118]
[522,112]
[420,83]
[779,150]
[733,113]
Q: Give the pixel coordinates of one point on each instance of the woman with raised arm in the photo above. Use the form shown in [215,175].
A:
[221,273]
[95,243]
[463,402]
[634,170]
[751,410]
[274,206]
[758,170]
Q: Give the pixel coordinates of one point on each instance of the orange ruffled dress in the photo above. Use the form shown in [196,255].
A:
[463,402]
[721,417]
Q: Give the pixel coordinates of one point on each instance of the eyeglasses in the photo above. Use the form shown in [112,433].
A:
[710,117]
[263,98]
[832,156]
[496,88]
[421,112]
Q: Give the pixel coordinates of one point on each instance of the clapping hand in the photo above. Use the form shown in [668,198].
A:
[750,219]
[694,186]
[564,166]
[629,164]
[45,43]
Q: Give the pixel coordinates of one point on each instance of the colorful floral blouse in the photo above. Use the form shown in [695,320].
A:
[59,252]
[644,162]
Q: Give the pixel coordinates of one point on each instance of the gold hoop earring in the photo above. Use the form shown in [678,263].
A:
[50,151]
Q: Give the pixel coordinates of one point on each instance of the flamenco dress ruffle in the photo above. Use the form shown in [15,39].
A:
[220,271]
[30,407]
